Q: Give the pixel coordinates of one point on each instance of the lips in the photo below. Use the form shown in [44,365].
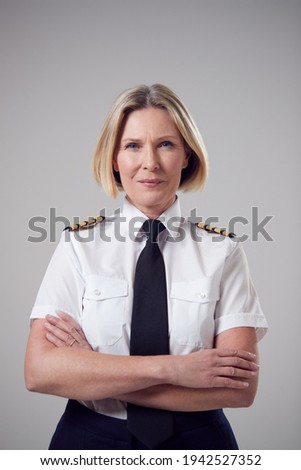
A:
[150,183]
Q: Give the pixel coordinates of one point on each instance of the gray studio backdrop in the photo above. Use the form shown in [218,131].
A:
[236,64]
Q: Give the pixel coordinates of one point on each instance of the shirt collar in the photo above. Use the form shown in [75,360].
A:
[133,219]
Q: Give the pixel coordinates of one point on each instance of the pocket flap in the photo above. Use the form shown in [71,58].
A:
[101,287]
[202,290]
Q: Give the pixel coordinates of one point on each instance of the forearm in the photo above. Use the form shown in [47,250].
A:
[84,374]
[191,399]
[176,398]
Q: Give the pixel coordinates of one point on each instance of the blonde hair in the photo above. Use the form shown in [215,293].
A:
[194,175]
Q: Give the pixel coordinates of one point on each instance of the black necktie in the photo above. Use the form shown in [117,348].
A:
[149,333]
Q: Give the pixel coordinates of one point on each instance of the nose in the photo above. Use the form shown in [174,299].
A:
[150,161]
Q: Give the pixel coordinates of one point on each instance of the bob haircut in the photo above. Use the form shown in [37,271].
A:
[193,176]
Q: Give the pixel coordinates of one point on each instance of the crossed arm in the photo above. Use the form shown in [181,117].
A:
[225,376]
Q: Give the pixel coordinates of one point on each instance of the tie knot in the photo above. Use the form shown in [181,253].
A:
[152,228]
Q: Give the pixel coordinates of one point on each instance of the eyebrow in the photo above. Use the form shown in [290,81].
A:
[131,139]
[163,137]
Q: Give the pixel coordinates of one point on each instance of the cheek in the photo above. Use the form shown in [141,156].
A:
[174,168]
[119,164]
[125,166]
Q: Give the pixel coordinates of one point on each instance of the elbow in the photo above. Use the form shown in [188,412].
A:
[34,376]
[247,400]
[31,378]
[241,400]
[247,397]
[38,363]
[30,385]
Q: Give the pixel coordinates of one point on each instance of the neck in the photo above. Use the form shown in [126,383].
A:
[153,212]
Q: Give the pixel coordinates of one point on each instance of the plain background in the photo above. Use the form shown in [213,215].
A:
[236,65]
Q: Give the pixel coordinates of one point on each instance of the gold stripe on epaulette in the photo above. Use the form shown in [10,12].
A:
[86,223]
[219,231]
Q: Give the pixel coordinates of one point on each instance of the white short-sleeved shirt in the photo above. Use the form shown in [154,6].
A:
[91,277]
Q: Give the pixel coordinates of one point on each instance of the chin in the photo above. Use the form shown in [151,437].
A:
[154,200]
[150,201]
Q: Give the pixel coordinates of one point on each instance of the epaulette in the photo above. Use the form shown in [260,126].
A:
[86,223]
[219,231]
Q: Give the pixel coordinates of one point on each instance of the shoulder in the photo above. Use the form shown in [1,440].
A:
[86,224]
[81,236]
[214,230]
[218,241]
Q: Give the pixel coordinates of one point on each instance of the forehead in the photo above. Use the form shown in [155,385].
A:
[154,121]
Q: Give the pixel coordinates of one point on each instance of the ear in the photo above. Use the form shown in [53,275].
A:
[186,161]
[115,165]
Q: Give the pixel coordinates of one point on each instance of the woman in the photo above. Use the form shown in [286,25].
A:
[149,147]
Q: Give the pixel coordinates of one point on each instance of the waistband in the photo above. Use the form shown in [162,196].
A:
[92,421]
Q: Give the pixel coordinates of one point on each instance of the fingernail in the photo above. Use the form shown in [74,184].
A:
[51,318]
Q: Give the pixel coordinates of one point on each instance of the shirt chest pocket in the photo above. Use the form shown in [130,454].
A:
[104,310]
[192,306]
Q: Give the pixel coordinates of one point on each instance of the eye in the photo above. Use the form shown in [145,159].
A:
[166,144]
[132,146]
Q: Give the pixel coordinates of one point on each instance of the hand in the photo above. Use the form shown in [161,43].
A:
[64,331]
[210,368]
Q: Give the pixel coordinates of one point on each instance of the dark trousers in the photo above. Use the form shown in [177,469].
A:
[83,429]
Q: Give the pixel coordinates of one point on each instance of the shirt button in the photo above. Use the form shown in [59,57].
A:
[97,292]
[202,295]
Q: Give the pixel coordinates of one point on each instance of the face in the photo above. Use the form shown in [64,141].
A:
[150,159]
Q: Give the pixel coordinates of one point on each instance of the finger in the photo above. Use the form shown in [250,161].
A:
[65,316]
[69,320]
[78,336]
[58,332]
[237,353]
[75,329]
[71,326]
[70,341]
[54,340]
[51,319]
[226,382]
[237,363]
[57,323]
[67,331]
[66,326]
[82,345]
[236,372]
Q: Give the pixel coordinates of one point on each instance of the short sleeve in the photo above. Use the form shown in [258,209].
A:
[62,286]
[238,305]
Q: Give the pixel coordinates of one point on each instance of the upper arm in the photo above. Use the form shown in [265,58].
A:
[238,338]
[238,305]
[243,338]
[63,284]
[36,351]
